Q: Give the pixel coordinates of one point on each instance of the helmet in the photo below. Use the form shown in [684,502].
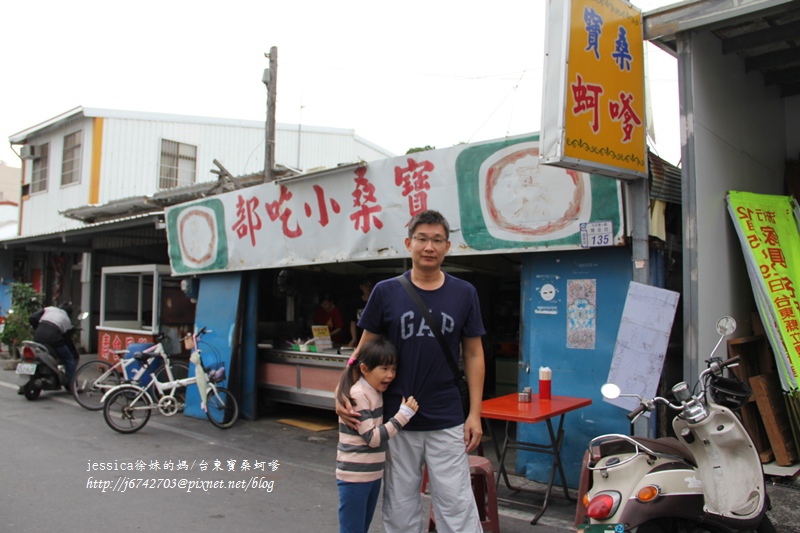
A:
[730,392]
[67,307]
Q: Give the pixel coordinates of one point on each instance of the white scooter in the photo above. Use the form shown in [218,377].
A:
[709,479]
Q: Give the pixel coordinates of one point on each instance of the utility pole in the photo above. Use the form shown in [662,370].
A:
[270,79]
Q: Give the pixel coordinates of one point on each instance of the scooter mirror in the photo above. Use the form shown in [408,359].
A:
[610,391]
[83,315]
[726,325]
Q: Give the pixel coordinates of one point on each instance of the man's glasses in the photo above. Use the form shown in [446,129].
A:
[437,241]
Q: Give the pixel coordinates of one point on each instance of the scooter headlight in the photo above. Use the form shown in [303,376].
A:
[603,504]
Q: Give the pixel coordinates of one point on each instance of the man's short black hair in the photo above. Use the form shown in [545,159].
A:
[434,218]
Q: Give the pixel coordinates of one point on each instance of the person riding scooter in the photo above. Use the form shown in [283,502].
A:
[53,327]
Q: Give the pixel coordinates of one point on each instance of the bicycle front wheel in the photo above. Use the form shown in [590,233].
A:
[88,387]
[221,407]
[127,410]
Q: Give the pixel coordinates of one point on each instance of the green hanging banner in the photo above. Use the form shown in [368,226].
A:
[768,232]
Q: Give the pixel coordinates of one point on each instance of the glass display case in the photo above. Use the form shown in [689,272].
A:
[137,302]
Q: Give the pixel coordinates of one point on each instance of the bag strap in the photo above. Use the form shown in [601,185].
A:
[414,294]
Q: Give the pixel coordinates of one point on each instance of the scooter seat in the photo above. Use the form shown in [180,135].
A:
[617,444]
[670,446]
[42,347]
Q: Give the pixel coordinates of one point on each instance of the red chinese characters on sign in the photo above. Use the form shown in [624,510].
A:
[366,214]
[764,241]
[105,345]
[325,207]
[115,341]
[413,181]
[322,206]
[587,96]
[621,111]
[248,221]
[587,100]
[278,211]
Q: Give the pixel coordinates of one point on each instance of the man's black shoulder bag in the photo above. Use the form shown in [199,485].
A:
[461,380]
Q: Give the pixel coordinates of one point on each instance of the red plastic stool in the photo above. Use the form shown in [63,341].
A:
[484,490]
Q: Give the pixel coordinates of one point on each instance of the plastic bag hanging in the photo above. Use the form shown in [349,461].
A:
[202,381]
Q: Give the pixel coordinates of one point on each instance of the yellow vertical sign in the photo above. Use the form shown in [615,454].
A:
[605,122]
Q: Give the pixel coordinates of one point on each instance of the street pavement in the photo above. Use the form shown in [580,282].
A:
[66,470]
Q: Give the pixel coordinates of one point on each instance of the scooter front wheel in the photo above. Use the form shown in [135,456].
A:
[127,410]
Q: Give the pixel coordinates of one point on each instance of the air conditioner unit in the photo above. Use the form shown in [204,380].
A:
[29,151]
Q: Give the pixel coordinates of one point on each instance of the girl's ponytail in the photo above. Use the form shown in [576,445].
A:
[350,375]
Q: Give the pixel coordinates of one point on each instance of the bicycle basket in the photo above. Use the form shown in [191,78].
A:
[729,392]
[217,375]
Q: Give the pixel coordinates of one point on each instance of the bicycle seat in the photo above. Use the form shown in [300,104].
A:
[142,357]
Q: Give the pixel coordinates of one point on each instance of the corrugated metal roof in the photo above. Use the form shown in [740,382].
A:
[128,207]
[119,223]
[764,33]
[665,179]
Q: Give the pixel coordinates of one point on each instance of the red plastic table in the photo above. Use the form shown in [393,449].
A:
[510,409]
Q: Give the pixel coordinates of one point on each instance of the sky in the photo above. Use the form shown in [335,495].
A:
[401,75]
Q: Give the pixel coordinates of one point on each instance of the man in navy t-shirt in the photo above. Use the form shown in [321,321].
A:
[437,436]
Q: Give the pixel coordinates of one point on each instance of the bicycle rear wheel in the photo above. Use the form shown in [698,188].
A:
[88,389]
[222,408]
[126,410]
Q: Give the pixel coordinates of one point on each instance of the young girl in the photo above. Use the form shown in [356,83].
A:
[361,454]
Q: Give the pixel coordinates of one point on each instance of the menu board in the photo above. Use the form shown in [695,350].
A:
[323,337]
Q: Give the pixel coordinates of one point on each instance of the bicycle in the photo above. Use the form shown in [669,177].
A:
[93,379]
[127,407]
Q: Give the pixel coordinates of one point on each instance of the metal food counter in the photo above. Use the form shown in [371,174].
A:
[302,378]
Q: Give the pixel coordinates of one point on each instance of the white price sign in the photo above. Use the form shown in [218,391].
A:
[599,233]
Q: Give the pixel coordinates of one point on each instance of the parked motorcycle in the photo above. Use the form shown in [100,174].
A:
[40,368]
[709,479]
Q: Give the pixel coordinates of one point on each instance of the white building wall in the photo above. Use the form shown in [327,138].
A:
[306,147]
[8,219]
[737,127]
[40,209]
[239,148]
[131,154]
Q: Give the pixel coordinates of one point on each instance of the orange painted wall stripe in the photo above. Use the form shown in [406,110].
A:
[97,154]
